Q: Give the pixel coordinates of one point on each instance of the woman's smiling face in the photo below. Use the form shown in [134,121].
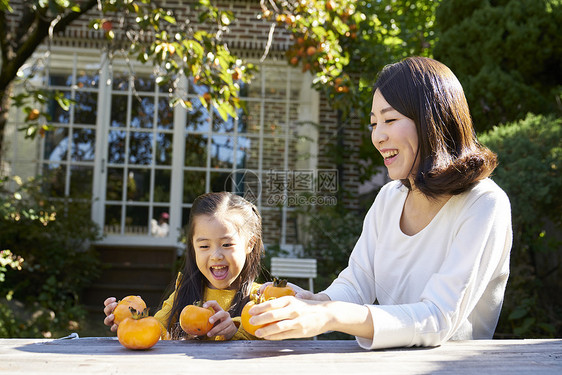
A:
[220,249]
[396,138]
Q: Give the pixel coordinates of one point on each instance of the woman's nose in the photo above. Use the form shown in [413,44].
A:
[378,135]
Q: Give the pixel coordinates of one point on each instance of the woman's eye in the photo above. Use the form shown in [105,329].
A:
[372,126]
[390,120]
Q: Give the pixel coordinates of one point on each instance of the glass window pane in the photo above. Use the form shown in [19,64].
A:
[120,81]
[142,112]
[118,111]
[250,121]
[193,185]
[138,185]
[83,144]
[136,220]
[59,115]
[81,181]
[197,118]
[116,147]
[85,109]
[221,126]
[89,79]
[114,186]
[221,181]
[274,119]
[54,180]
[195,150]
[140,148]
[245,183]
[247,151]
[56,144]
[275,82]
[222,151]
[162,185]
[112,223]
[254,89]
[273,158]
[145,84]
[164,148]
[159,224]
[185,216]
[165,114]
[60,79]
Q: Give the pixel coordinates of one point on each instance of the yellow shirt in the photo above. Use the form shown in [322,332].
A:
[223,297]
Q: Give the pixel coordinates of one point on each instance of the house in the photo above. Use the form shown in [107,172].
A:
[143,162]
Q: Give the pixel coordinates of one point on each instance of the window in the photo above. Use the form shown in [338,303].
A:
[143,162]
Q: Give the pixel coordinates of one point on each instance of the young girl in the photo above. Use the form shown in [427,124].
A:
[222,260]
[432,261]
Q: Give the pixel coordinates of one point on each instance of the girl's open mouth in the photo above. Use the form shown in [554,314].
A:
[219,272]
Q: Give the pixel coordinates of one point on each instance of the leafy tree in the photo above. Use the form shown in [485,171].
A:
[507,54]
[344,44]
[140,29]
[530,156]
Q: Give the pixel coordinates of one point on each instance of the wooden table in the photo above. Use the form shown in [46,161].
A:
[98,355]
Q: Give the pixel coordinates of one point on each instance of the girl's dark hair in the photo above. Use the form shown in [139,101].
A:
[450,158]
[192,283]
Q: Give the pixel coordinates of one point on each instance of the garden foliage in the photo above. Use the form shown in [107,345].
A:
[530,159]
[46,260]
[506,53]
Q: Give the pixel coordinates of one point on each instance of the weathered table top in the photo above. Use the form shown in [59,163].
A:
[107,356]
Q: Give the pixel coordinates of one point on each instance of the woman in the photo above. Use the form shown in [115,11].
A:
[432,261]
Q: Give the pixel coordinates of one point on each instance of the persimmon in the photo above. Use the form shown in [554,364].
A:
[139,331]
[279,288]
[33,114]
[194,319]
[122,310]
[245,319]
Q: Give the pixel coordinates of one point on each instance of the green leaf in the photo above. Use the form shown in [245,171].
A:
[170,19]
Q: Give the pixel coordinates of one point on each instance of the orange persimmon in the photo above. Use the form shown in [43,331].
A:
[123,308]
[194,319]
[139,331]
[245,319]
[279,288]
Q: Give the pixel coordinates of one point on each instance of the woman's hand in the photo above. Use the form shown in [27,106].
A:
[109,305]
[289,317]
[224,325]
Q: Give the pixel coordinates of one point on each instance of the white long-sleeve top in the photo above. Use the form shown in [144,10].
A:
[445,282]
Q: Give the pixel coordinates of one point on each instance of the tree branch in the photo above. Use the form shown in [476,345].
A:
[39,30]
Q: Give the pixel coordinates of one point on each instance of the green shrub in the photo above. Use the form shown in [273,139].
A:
[530,158]
[52,237]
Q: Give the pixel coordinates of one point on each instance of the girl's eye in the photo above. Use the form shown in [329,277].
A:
[227,245]
[203,247]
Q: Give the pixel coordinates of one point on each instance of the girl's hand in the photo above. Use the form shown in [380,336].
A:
[109,305]
[289,317]
[224,325]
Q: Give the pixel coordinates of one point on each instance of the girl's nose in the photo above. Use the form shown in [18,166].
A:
[217,253]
